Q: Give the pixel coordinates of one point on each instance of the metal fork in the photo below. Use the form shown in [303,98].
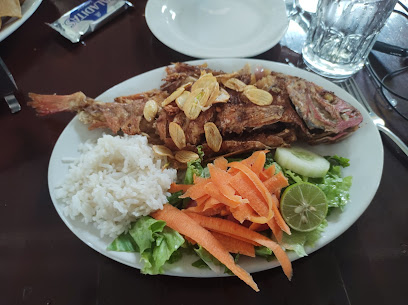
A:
[351,87]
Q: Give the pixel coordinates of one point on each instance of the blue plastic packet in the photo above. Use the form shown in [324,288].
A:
[87,17]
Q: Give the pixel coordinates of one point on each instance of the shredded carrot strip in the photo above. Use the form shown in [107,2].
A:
[234,245]
[214,210]
[243,212]
[267,173]
[226,226]
[225,211]
[278,217]
[250,160]
[244,186]
[196,190]
[255,226]
[236,192]
[276,182]
[221,163]
[198,179]
[179,187]
[276,230]
[255,179]
[202,200]
[212,190]
[259,227]
[211,202]
[238,237]
[257,183]
[193,242]
[196,209]
[185,225]
[258,165]
[220,180]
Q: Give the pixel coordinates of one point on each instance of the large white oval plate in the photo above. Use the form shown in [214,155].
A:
[27,9]
[213,28]
[364,149]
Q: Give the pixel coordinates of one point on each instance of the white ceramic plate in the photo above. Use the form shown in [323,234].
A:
[213,28]
[364,149]
[27,9]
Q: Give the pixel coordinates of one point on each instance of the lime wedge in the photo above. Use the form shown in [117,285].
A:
[303,206]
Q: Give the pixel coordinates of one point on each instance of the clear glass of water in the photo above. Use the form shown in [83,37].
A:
[342,33]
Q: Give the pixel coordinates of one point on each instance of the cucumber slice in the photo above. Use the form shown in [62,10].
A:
[302,161]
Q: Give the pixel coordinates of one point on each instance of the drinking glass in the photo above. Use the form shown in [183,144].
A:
[342,33]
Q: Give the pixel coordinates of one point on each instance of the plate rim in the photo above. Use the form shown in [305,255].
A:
[269,265]
[208,53]
[12,27]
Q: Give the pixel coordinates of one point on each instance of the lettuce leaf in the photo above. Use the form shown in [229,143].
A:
[336,160]
[124,243]
[298,240]
[193,168]
[335,187]
[208,261]
[156,243]
[336,190]
[174,199]
[164,245]
[269,160]
[265,252]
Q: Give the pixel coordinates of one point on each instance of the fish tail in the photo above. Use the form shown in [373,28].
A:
[49,104]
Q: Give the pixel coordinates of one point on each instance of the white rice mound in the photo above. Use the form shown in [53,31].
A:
[114,182]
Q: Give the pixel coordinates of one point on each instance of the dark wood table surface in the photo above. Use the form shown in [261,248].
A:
[43,262]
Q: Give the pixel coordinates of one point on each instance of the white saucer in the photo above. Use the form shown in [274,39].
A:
[217,28]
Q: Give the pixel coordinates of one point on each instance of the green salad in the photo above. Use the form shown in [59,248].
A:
[158,244]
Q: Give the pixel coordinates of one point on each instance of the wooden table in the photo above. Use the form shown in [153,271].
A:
[43,262]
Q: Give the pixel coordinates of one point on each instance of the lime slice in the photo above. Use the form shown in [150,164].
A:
[303,206]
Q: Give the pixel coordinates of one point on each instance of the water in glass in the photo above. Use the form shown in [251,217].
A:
[342,34]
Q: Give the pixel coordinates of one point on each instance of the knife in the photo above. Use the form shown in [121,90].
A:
[8,87]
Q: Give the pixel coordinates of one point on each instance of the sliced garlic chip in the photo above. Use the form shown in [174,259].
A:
[258,96]
[150,110]
[253,79]
[222,97]
[234,84]
[190,79]
[224,77]
[206,80]
[250,87]
[195,103]
[187,85]
[214,92]
[177,135]
[185,156]
[209,82]
[182,99]
[213,136]
[162,151]
[173,96]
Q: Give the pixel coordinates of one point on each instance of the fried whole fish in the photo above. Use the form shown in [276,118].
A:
[250,111]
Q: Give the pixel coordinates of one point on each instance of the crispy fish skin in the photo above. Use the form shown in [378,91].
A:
[301,110]
[322,111]
[125,114]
